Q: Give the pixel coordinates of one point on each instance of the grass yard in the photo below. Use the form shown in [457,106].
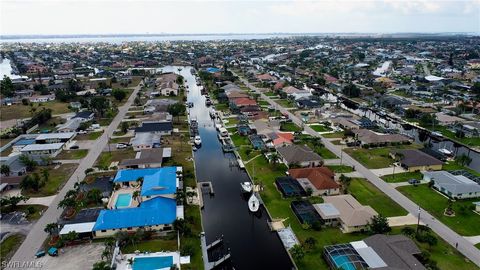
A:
[465,222]
[56,180]
[222,107]
[477,245]
[19,111]
[286,103]
[106,158]
[289,126]
[452,166]
[320,128]
[444,254]
[231,121]
[240,140]
[263,103]
[367,194]
[324,152]
[376,158]
[192,213]
[35,208]
[51,124]
[450,134]
[338,134]
[10,245]
[402,177]
[89,136]
[340,168]
[72,154]
[270,94]
[167,243]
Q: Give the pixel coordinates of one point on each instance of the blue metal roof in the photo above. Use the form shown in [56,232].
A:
[156,211]
[160,183]
[25,142]
[133,174]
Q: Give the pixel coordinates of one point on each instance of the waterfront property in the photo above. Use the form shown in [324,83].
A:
[318,180]
[352,217]
[300,155]
[454,186]
[375,252]
[157,260]
[147,158]
[414,160]
[289,187]
[368,138]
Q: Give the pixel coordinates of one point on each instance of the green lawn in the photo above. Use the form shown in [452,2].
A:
[452,166]
[106,158]
[240,140]
[18,111]
[375,158]
[72,154]
[167,243]
[338,134]
[324,152]
[9,246]
[465,222]
[340,168]
[450,134]
[222,107]
[89,136]
[446,256]
[402,177]
[270,94]
[35,214]
[56,180]
[367,194]
[477,246]
[320,128]
[263,103]
[286,103]
[231,121]
[289,126]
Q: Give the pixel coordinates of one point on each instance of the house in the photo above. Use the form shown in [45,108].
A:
[454,186]
[55,138]
[319,180]
[243,102]
[167,85]
[147,158]
[368,138]
[160,128]
[10,182]
[14,164]
[158,105]
[71,125]
[145,140]
[84,116]
[48,149]
[300,155]
[477,206]
[280,138]
[42,98]
[353,216]
[18,145]
[375,252]
[306,103]
[414,160]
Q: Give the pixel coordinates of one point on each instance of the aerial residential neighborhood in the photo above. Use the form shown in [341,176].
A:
[305,150]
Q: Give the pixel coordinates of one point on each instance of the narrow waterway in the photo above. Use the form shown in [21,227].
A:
[252,244]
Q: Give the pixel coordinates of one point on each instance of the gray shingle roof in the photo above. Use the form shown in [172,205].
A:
[298,153]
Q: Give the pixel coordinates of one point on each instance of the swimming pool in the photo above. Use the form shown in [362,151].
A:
[123,200]
[343,262]
[150,263]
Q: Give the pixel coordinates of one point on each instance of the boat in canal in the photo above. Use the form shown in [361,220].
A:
[197,140]
[247,187]
[253,203]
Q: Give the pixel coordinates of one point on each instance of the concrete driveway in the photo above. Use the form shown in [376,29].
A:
[77,257]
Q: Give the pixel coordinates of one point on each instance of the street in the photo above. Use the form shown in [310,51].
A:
[464,246]
[37,236]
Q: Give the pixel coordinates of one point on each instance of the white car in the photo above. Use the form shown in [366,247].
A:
[121,146]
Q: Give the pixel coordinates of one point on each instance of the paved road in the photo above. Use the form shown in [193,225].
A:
[464,246]
[37,236]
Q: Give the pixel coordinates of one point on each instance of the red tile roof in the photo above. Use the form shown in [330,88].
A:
[244,102]
[320,177]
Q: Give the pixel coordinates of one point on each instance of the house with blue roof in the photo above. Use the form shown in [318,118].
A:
[158,213]
[156,181]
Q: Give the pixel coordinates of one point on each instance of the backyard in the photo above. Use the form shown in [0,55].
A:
[368,194]
[465,221]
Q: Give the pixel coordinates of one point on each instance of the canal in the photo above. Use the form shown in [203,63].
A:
[252,244]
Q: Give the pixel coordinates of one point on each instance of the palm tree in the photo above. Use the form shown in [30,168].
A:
[274,158]
[67,202]
[102,265]
[45,175]
[136,196]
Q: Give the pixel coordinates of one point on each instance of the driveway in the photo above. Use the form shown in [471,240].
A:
[386,171]
[37,236]
[451,237]
[76,257]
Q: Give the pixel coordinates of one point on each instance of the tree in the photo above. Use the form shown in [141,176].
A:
[6,86]
[463,160]
[119,94]
[351,90]
[124,127]
[51,229]
[182,227]
[345,181]
[310,243]
[408,231]
[32,182]
[70,236]
[102,265]
[176,110]
[99,105]
[45,175]
[5,170]
[94,195]
[297,253]
[379,225]
[136,195]
[67,202]
[28,162]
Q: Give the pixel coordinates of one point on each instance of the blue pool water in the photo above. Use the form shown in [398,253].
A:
[343,262]
[123,200]
[150,263]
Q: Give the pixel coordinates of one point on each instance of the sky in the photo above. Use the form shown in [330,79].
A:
[46,17]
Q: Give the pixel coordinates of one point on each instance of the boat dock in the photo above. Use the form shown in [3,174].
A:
[218,255]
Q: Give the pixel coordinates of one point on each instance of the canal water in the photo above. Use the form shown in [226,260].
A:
[252,244]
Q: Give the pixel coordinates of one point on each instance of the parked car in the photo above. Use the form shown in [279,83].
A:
[121,146]
[74,147]
[413,181]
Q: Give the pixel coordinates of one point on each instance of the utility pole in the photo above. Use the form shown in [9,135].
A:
[418,219]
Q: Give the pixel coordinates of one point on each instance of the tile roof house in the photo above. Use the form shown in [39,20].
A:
[454,186]
[415,160]
[280,138]
[300,155]
[318,179]
[369,138]
[243,102]
[353,216]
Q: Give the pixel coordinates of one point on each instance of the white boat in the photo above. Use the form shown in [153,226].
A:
[446,152]
[194,148]
[197,140]
[253,203]
[437,134]
[247,187]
